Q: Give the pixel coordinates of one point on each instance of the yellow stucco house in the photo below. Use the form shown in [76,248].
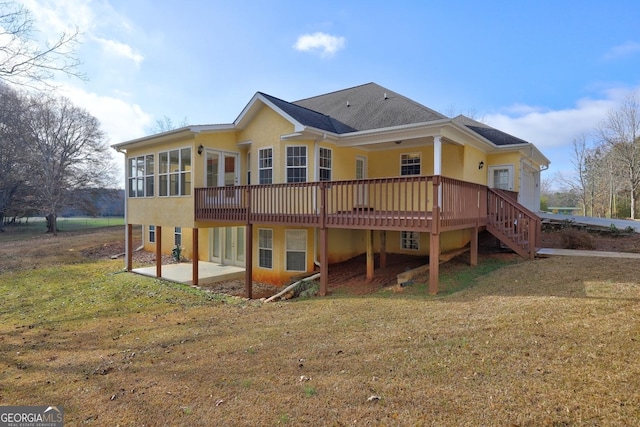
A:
[290,188]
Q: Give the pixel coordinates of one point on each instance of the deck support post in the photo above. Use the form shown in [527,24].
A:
[194,256]
[129,248]
[434,238]
[383,248]
[434,263]
[158,251]
[370,259]
[324,262]
[248,270]
[474,247]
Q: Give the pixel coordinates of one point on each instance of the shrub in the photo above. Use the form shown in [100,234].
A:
[574,239]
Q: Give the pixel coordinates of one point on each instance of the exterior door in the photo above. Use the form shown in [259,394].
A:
[221,170]
[530,189]
[361,173]
[227,245]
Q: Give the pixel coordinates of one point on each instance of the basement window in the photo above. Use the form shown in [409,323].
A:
[410,240]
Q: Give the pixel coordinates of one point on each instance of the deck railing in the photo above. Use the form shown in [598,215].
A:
[403,203]
[514,224]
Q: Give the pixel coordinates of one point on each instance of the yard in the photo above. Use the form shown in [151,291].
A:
[517,343]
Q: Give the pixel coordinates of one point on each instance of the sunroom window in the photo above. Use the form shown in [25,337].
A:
[175,172]
[141,176]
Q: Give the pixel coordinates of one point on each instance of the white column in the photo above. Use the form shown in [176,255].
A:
[437,155]
[437,166]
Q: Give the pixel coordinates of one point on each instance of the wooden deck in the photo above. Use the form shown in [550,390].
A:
[426,204]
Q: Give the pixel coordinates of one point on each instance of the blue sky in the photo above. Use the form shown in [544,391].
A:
[545,71]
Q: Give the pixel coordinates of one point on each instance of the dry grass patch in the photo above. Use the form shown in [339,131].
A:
[545,342]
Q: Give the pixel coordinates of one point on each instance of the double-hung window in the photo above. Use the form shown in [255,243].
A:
[141,176]
[410,164]
[297,164]
[325,164]
[265,166]
[265,248]
[296,250]
[152,234]
[175,172]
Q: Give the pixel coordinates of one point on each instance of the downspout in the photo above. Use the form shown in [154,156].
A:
[126,204]
[316,174]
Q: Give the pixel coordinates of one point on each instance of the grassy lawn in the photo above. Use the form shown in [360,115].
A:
[547,342]
[37,226]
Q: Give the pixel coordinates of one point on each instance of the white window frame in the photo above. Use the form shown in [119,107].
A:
[152,234]
[177,236]
[265,164]
[325,163]
[265,246]
[410,240]
[182,175]
[491,171]
[289,240]
[408,161]
[143,180]
[292,158]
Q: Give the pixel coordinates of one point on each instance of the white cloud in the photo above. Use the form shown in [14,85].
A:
[57,16]
[626,49]
[326,44]
[120,49]
[120,120]
[554,128]
[54,17]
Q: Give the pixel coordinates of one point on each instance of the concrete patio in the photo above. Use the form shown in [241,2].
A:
[208,272]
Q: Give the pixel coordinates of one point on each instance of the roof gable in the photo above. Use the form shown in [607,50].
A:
[309,117]
[370,106]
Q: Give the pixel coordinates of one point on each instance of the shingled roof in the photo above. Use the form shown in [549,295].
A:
[370,106]
[492,134]
[309,117]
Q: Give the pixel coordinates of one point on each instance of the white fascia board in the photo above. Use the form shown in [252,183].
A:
[395,133]
[171,135]
[528,149]
[310,133]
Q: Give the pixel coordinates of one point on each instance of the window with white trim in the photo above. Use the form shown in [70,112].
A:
[152,234]
[410,240]
[296,250]
[325,164]
[177,236]
[265,248]
[410,164]
[175,172]
[297,164]
[141,176]
[265,166]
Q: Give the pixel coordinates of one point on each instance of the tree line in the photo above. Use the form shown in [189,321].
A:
[53,154]
[606,162]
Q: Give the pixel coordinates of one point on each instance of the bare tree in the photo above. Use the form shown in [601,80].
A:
[620,131]
[165,124]
[13,155]
[70,155]
[22,60]
[581,183]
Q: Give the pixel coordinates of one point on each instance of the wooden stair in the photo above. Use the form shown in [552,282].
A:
[513,224]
